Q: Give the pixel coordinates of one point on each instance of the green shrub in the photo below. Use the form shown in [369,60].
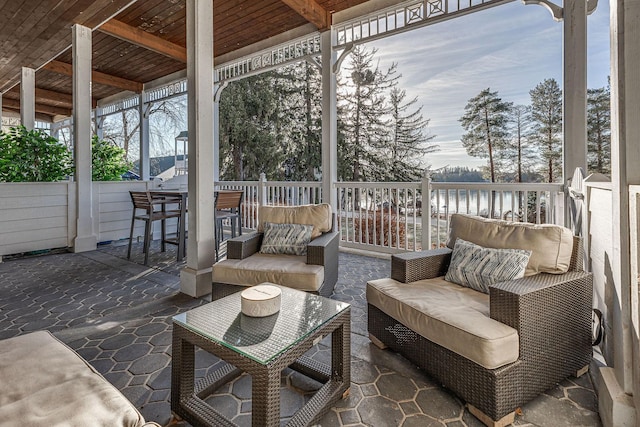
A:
[33,156]
[108,161]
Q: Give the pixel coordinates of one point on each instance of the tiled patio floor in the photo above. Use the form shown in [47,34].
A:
[117,315]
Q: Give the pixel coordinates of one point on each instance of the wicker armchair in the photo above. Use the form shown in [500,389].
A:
[550,312]
[321,251]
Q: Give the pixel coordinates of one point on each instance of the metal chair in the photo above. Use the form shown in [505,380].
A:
[143,201]
[227,206]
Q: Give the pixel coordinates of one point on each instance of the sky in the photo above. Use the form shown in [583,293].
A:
[509,48]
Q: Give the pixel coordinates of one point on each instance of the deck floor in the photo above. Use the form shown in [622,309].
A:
[117,314]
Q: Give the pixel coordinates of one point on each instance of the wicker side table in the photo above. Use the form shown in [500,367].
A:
[262,348]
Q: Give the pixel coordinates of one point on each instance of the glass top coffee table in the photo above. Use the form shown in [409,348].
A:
[261,347]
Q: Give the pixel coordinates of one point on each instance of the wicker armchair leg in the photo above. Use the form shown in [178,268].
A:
[377,342]
[486,419]
[580,372]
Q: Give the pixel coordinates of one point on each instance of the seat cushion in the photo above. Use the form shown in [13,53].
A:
[291,271]
[551,246]
[317,215]
[453,316]
[45,383]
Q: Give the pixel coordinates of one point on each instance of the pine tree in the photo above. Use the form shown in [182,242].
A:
[485,121]
[248,120]
[407,144]
[518,151]
[599,130]
[362,116]
[546,114]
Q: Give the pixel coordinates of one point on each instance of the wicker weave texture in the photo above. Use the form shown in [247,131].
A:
[412,266]
[265,378]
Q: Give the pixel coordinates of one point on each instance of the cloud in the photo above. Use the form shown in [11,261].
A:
[509,48]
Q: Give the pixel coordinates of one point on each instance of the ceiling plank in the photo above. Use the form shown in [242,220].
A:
[311,11]
[96,76]
[141,38]
[40,108]
[54,96]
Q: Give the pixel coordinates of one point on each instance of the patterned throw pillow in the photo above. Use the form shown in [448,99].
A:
[289,239]
[477,267]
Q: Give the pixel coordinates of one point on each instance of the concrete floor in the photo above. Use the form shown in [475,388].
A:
[117,314]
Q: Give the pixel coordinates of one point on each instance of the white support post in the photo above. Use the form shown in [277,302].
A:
[329,119]
[0,112]
[217,93]
[619,389]
[99,123]
[195,278]
[425,217]
[28,98]
[574,89]
[143,110]
[85,239]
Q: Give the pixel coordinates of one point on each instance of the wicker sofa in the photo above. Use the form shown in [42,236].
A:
[315,272]
[45,384]
[496,351]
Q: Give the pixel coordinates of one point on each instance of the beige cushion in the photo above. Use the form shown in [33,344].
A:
[550,245]
[45,383]
[291,271]
[453,316]
[317,215]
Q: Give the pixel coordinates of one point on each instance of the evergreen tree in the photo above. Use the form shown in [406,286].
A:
[407,140]
[518,150]
[599,130]
[546,114]
[485,121]
[248,120]
[362,116]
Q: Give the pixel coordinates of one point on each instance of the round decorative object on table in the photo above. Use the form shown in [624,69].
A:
[260,300]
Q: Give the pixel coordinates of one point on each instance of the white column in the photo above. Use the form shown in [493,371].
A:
[0,110]
[217,93]
[144,110]
[329,120]
[99,123]
[195,278]
[619,390]
[28,98]
[85,239]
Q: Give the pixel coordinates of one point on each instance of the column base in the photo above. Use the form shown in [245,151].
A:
[616,408]
[195,283]
[85,243]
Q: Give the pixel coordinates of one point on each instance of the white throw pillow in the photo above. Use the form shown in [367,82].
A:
[477,267]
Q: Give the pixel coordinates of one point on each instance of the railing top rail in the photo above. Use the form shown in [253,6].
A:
[399,185]
[504,186]
[293,183]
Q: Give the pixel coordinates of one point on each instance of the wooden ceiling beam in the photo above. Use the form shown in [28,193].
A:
[40,108]
[51,95]
[96,76]
[143,39]
[311,11]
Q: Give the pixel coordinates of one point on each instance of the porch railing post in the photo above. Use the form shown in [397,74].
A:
[262,190]
[426,213]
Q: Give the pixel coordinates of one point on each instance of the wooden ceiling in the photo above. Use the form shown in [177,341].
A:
[134,42]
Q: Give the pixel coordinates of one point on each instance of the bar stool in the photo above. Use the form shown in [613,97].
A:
[143,201]
[227,206]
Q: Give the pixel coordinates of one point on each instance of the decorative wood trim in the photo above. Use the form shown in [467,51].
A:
[96,76]
[311,11]
[143,39]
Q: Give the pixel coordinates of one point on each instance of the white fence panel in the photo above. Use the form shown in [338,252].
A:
[114,209]
[34,216]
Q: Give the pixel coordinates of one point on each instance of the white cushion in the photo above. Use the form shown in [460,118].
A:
[45,384]
[287,239]
[291,271]
[551,246]
[452,316]
[476,267]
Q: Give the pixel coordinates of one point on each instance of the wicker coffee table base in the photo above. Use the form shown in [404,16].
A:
[187,396]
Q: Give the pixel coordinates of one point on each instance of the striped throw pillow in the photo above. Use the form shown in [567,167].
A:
[477,267]
[288,239]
